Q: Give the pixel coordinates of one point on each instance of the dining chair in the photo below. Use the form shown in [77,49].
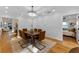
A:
[39,40]
[24,29]
[26,36]
[39,30]
[41,35]
[35,30]
[24,40]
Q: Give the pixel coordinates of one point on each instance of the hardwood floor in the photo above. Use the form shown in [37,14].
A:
[69,42]
[64,47]
[5,46]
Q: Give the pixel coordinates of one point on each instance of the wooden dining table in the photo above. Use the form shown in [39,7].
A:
[35,41]
[32,35]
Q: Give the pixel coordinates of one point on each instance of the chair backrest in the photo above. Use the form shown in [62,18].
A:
[23,35]
[42,35]
[24,29]
[35,30]
[39,30]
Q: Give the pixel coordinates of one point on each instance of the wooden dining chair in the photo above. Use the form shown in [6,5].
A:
[26,37]
[42,35]
[39,41]
[24,40]
[39,30]
[35,30]
[24,29]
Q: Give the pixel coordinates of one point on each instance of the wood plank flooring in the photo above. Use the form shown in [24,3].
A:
[64,47]
[5,46]
[69,42]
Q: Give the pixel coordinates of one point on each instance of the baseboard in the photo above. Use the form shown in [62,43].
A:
[53,39]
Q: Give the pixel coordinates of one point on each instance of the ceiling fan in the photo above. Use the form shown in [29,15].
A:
[37,13]
[32,13]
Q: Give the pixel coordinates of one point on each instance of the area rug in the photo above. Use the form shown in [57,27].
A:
[36,50]
[17,48]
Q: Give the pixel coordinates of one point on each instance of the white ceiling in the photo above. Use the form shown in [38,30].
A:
[18,11]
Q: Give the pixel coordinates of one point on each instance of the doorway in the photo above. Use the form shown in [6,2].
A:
[7,24]
[69,29]
[10,25]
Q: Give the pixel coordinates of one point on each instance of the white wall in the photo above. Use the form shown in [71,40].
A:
[24,23]
[51,24]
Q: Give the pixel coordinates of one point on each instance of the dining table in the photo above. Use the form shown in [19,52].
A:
[35,41]
[32,35]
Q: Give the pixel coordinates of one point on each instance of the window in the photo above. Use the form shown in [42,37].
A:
[65,25]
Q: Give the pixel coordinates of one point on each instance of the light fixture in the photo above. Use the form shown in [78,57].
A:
[32,13]
[35,13]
